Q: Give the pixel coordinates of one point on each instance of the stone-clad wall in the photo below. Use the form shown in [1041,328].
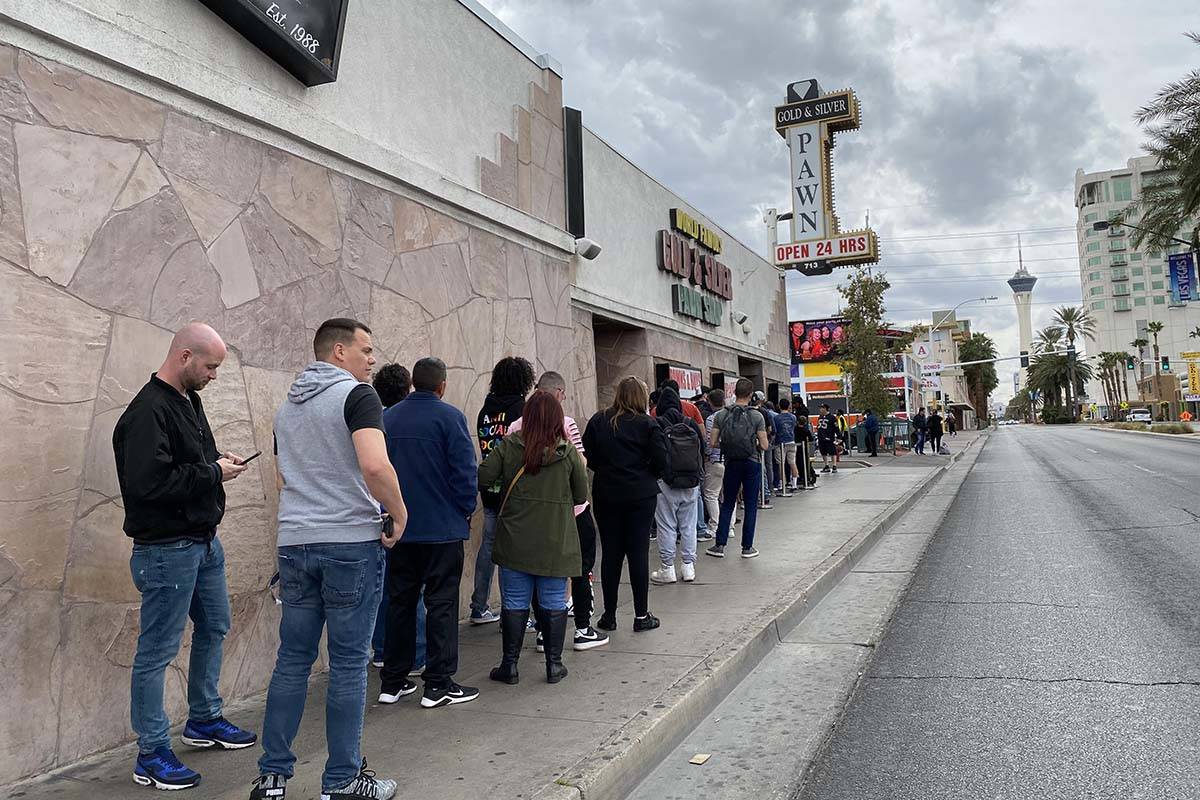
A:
[122,219]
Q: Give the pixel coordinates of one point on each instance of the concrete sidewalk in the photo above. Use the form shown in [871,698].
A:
[623,706]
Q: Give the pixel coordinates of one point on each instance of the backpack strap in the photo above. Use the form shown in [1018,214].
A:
[508,491]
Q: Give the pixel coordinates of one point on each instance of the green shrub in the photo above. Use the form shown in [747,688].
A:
[1158,427]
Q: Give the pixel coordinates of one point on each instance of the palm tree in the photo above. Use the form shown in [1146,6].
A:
[1110,362]
[1124,374]
[1154,329]
[1172,121]
[1194,333]
[1076,321]
[1140,343]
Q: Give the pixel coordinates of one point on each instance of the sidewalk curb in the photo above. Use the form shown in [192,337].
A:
[1178,437]
[629,754]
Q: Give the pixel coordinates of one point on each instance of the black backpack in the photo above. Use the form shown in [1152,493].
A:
[739,440]
[685,457]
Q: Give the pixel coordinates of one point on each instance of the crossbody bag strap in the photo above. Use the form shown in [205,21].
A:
[508,491]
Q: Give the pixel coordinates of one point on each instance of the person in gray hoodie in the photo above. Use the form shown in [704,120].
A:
[335,473]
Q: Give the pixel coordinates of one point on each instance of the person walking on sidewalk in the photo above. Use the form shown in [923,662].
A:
[871,428]
[827,439]
[171,475]
[951,424]
[586,637]
[921,428]
[628,452]
[335,472]
[741,434]
[785,438]
[512,379]
[537,543]
[714,470]
[675,513]
[431,449]
[934,423]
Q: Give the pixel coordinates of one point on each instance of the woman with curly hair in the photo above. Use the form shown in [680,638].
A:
[512,380]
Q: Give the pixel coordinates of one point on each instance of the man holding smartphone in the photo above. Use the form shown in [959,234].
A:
[171,477]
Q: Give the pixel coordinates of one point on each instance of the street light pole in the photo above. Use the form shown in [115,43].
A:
[949,314]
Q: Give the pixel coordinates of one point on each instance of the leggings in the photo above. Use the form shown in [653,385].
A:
[936,442]
[625,534]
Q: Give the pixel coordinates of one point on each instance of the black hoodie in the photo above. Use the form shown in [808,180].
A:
[670,412]
[497,414]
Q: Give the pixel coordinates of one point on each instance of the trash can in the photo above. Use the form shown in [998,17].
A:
[860,437]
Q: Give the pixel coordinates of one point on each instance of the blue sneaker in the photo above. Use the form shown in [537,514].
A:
[218,732]
[162,770]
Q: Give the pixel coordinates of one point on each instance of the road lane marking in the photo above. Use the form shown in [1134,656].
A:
[1143,469]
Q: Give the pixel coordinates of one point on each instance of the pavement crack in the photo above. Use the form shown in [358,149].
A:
[1108,681]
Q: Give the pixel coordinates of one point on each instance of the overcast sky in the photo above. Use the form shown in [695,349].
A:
[975,116]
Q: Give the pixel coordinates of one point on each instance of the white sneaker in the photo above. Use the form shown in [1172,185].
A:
[689,573]
[664,575]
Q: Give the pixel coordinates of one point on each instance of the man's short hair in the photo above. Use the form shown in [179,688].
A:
[670,383]
[339,330]
[825,406]
[551,381]
[392,383]
[716,398]
[743,388]
[784,404]
[428,374]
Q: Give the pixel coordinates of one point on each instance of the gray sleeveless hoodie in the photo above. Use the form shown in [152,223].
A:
[324,497]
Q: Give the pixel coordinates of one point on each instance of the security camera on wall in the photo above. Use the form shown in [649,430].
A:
[586,248]
[746,328]
[740,317]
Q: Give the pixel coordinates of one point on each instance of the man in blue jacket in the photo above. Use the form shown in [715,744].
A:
[434,455]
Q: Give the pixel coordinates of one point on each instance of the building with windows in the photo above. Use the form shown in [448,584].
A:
[1124,287]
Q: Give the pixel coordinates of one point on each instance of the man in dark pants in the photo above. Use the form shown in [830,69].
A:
[741,434]
[170,475]
[433,453]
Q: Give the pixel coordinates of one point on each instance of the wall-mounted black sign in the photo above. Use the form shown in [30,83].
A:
[303,36]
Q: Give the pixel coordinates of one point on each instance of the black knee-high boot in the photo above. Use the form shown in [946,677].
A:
[554,627]
[512,633]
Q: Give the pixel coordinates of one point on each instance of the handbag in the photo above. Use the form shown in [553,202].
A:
[508,491]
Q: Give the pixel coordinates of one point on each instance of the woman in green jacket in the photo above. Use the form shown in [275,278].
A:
[536,541]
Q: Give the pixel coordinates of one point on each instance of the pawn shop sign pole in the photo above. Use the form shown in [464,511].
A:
[808,122]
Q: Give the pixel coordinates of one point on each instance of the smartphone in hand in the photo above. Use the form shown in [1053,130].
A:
[246,461]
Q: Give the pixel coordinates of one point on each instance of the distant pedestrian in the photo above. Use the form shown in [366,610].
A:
[333,463]
[537,544]
[679,489]
[827,439]
[628,453]
[843,429]
[871,428]
[921,428]
[934,423]
[429,444]
[785,438]
[171,475]
[951,424]
[703,404]
[741,434]
[392,383]
[758,401]
[511,381]
[714,471]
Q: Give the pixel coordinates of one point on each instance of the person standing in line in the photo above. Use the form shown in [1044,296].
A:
[512,380]
[537,542]
[171,475]
[951,424]
[871,427]
[393,383]
[827,435]
[586,637]
[703,404]
[675,513]
[335,472]
[741,434]
[934,423]
[785,437]
[714,471]
[430,446]
[628,453]
[700,401]
[758,401]
[807,441]
[921,428]
[843,435]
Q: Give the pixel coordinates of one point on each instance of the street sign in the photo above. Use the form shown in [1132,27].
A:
[932,367]
[1190,355]
[921,351]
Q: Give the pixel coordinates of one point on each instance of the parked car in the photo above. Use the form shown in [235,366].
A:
[1139,415]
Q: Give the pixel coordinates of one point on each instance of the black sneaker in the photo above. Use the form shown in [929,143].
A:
[392,694]
[268,787]
[607,622]
[716,551]
[705,537]
[451,695]
[364,786]
[824,470]
[749,552]
[646,623]
[588,638]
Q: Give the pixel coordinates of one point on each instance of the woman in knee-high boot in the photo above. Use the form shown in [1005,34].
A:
[537,545]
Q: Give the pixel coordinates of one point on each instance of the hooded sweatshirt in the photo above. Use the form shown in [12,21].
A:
[324,497]
[670,412]
[497,414]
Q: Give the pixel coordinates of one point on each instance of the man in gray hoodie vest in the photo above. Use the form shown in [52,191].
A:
[335,472]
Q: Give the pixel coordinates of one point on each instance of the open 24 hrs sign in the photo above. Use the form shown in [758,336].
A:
[859,247]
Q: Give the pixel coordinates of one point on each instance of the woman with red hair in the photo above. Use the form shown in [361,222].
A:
[537,544]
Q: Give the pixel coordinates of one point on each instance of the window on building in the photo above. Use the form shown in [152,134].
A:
[1095,261]
[1138,272]
[1093,276]
[1159,300]
[1135,256]
[1121,304]
[1090,233]
[1139,301]
[1093,247]
[1119,274]
[1156,269]
[1139,287]
[1156,285]
[1116,245]
[1092,217]
[1098,305]
[1122,189]
[1095,290]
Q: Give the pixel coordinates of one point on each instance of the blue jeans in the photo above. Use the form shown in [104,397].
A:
[516,591]
[920,448]
[380,634]
[323,585]
[483,563]
[744,475]
[177,581]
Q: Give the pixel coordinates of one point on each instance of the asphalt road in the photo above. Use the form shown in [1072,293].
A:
[1049,645]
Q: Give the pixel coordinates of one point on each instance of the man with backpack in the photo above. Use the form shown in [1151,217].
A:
[741,433]
[679,489]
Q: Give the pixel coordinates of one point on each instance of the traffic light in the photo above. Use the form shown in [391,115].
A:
[1129,363]
[1166,364]
[1024,359]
